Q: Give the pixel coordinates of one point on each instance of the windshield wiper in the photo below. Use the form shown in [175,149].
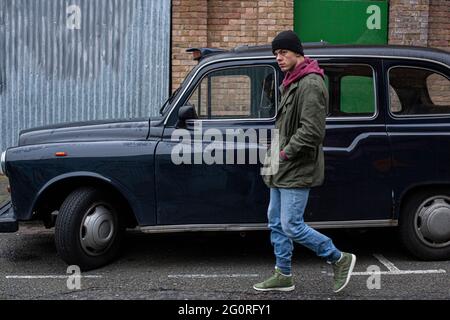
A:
[169,100]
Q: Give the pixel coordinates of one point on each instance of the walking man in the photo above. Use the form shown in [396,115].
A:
[301,126]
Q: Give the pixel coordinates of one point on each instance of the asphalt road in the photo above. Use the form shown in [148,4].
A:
[215,266]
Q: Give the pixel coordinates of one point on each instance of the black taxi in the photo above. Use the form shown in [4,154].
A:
[387,155]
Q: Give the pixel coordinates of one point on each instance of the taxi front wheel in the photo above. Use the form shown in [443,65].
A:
[425,224]
[88,230]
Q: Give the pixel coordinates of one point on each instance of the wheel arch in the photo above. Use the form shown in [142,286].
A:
[414,190]
[51,196]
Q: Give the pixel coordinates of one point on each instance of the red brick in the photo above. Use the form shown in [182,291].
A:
[226,24]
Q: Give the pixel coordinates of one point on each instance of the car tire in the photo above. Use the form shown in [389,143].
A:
[425,224]
[88,229]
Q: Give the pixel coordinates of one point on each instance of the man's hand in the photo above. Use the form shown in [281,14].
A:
[283,155]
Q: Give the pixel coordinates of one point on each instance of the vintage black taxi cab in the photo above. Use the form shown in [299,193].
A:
[387,155]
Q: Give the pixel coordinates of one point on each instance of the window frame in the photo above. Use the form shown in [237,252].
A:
[412,116]
[375,91]
[237,66]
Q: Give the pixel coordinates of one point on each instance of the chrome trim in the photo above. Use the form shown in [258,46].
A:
[418,133]
[355,142]
[412,116]
[203,227]
[414,125]
[354,224]
[352,125]
[268,120]
[263,226]
[3,163]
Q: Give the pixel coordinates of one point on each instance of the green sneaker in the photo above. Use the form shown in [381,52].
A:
[277,282]
[343,271]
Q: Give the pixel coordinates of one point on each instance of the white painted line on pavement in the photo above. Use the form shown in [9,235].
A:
[49,277]
[400,272]
[393,270]
[391,267]
[205,276]
[396,273]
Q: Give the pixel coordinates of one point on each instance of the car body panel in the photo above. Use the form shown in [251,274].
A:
[419,144]
[125,165]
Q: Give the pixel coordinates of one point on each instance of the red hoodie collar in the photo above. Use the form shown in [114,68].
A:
[306,67]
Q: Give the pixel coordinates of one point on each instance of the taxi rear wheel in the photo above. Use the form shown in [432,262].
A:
[88,229]
[425,224]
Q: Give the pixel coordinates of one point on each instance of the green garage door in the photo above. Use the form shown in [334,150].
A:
[341,21]
[344,22]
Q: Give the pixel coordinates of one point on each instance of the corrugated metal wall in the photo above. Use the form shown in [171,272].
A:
[71,60]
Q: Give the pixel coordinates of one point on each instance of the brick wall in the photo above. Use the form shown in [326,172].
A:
[439,90]
[223,24]
[408,22]
[420,22]
[189,29]
[229,23]
[439,37]
[230,96]
[439,24]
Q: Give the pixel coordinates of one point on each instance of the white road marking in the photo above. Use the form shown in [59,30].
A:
[49,277]
[396,273]
[206,276]
[393,270]
[391,267]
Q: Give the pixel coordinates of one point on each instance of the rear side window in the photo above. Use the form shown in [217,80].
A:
[416,91]
[351,90]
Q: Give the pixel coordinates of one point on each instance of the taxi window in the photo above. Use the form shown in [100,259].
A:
[236,93]
[419,91]
[351,90]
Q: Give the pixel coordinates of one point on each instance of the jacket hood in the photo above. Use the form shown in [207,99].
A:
[308,66]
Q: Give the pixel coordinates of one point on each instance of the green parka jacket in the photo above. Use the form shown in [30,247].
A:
[300,123]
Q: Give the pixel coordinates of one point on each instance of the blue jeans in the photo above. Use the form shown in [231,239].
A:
[286,223]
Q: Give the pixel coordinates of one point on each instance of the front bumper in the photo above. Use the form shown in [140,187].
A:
[8,221]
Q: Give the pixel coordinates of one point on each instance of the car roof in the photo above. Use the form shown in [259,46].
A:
[324,49]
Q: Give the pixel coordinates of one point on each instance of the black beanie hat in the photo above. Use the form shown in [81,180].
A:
[287,40]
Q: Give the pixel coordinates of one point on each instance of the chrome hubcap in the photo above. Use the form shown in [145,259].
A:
[98,230]
[432,222]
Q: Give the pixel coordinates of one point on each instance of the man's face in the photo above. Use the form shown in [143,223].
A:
[287,60]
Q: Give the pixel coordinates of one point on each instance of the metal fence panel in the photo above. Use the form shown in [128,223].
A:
[72,60]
